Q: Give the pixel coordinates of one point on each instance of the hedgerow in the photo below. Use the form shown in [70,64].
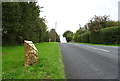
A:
[108,35]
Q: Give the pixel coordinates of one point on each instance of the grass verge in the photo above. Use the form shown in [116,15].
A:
[96,44]
[50,64]
[0,66]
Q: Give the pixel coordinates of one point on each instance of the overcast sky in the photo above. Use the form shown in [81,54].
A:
[70,13]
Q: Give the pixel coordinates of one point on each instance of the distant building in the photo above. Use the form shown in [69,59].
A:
[119,11]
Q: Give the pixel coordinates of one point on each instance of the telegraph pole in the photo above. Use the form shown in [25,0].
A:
[79,25]
[55,30]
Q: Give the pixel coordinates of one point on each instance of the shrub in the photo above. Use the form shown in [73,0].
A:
[109,35]
[68,35]
[85,37]
[94,37]
[79,38]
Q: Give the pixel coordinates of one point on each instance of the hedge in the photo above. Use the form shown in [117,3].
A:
[94,37]
[109,35]
[85,37]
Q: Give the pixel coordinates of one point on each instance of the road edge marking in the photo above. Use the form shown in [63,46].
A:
[98,49]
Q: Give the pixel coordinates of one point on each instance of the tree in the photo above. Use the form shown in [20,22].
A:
[21,22]
[99,22]
[53,36]
[10,22]
[69,35]
[77,34]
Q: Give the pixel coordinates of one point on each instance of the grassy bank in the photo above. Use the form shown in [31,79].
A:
[97,44]
[50,64]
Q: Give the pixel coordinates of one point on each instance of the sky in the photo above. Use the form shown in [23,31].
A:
[70,13]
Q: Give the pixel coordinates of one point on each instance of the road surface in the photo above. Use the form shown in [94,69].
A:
[84,61]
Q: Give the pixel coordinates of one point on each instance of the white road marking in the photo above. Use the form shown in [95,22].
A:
[98,49]
[94,47]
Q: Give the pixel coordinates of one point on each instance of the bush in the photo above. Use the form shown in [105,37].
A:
[68,35]
[109,35]
[79,38]
[94,37]
[85,37]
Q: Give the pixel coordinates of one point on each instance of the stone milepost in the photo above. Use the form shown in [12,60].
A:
[30,53]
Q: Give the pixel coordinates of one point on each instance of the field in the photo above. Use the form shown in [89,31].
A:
[50,64]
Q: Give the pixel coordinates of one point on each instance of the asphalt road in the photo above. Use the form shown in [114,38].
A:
[83,61]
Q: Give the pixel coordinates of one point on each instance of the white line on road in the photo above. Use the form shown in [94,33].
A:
[92,47]
[98,49]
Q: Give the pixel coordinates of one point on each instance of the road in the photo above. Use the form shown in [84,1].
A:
[82,61]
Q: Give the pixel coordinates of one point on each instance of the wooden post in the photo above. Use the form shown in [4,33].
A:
[30,54]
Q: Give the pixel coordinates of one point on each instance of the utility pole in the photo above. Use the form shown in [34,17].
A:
[79,25]
[55,30]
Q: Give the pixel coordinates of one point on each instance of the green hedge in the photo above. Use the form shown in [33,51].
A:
[85,37]
[110,35]
[79,38]
[94,37]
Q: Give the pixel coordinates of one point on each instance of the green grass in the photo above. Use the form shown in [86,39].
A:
[50,64]
[0,66]
[96,44]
